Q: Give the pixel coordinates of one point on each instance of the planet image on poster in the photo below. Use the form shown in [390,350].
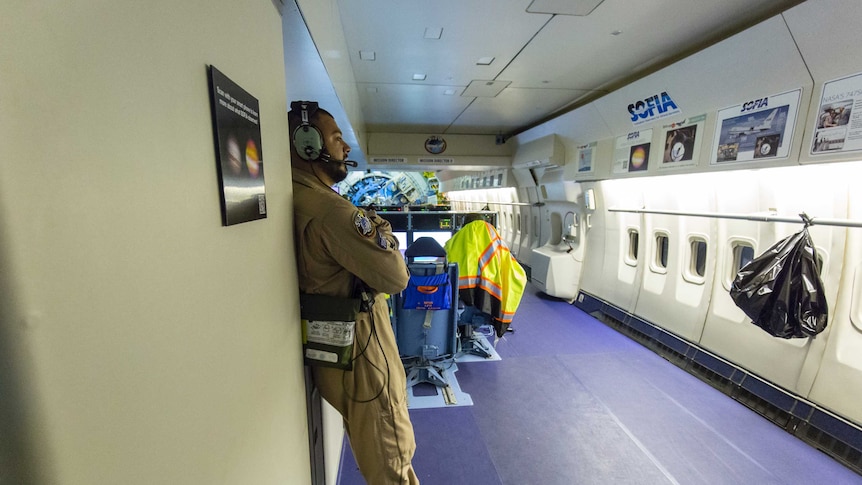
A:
[252,160]
[638,158]
[234,156]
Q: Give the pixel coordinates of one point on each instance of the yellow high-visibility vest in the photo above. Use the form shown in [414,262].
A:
[485,263]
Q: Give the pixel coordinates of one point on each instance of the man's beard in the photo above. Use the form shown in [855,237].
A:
[334,170]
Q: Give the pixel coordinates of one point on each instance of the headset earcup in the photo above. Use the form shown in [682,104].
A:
[308,142]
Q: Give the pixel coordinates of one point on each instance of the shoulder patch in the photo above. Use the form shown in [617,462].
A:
[363,224]
[382,241]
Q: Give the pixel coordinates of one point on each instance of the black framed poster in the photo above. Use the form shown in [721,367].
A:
[239,154]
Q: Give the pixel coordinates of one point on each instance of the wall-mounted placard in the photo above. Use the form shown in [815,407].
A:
[835,130]
[239,154]
[757,130]
[682,140]
[631,152]
[585,157]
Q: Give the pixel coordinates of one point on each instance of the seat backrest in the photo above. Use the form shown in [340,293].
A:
[429,287]
[416,335]
[425,247]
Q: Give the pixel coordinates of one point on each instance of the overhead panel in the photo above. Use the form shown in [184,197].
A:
[547,151]
[761,61]
[511,108]
[397,107]
[826,58]
[485,89]
[578,8]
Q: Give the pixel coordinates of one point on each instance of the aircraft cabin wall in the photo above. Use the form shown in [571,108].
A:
[675,270]
[141,341]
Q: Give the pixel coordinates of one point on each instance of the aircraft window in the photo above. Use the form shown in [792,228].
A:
[743,253]
[698,257]
[661,250]
[544,192]
[535,227]
[519,224]
[632,255]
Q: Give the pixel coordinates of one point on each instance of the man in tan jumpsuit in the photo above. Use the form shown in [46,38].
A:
[337,243]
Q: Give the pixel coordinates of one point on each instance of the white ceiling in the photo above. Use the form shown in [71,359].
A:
[543,64]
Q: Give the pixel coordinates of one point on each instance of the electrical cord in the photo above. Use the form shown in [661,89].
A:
[361,354]
[368,301]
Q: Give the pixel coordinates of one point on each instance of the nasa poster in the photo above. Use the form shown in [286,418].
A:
[757,130]
[239,155]
[682,140]
[835,130]
[631,152]
[585,157]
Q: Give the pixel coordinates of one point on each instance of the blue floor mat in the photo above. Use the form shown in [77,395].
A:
[574,402]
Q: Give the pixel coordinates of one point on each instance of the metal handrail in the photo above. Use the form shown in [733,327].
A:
[802,218]
[489,202]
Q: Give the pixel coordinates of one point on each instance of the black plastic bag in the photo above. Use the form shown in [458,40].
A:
[781,291]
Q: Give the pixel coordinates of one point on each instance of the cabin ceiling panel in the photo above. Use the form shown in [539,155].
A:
[510,108]
[542,55]
[470,30]
[406,108]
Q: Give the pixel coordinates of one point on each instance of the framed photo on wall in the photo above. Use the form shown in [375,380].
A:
[758,130]
[239,154]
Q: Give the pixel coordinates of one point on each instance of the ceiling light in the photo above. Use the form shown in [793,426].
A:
[367,55]
[450,92]
[485,61]
[371,89]
[419,77]
[433,33]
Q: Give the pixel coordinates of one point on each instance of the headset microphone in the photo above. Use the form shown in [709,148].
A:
[326,158]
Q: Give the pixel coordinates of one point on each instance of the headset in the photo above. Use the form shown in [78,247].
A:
[307,138]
